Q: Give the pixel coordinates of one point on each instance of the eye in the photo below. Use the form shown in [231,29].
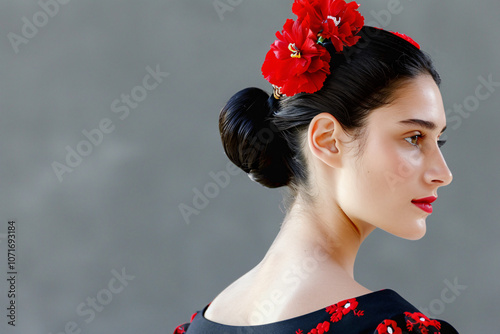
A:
[414,140]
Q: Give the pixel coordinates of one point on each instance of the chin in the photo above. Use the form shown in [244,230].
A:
[414,231]
[417,231]
[416,236]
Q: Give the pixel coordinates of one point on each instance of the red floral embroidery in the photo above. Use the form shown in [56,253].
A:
[342,308]
[332,19]
[422,321]
[389,327]
[359,313]
[180,330]
[296,63]
[323,327]
[337,311]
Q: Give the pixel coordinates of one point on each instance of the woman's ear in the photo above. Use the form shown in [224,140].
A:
[324,138]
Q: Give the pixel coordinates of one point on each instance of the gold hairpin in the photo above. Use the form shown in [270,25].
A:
[277,92]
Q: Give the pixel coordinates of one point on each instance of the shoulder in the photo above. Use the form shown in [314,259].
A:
[401,317]
[181,329]
[387,312]
[379,312]
[414,323]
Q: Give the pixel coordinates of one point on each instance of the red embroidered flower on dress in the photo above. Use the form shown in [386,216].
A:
[332,19]
[423,322]
[296,63]
[180,330]
[324,327]
[389,327]
[342,308]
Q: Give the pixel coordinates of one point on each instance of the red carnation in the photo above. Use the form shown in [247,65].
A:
[332,19]
[383,328]
[296,63]
[407,38]
[302,7]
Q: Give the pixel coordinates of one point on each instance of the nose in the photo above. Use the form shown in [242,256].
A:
[438,172]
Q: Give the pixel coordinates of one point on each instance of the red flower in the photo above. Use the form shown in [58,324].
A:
[299,331]
[407,38]
[296,63]
[321,328]
[342,308]
[348,305]
[332,19]
[423,322]
[180,330]
[389,327]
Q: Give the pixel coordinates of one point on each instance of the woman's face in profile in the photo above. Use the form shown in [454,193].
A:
[400,162]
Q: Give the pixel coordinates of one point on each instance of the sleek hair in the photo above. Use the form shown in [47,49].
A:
[264,136]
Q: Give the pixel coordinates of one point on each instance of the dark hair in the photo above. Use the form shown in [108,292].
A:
[263,136]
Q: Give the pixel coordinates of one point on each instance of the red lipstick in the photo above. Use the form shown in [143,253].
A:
[425,203]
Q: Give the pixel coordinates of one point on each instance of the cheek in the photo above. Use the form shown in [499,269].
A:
[365,189]
[402,168]
[380,167]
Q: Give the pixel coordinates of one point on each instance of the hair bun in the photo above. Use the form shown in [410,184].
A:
[251,140]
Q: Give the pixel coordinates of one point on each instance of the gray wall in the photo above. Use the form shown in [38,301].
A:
[119,206]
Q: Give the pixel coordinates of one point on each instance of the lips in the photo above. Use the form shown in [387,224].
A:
[425,203]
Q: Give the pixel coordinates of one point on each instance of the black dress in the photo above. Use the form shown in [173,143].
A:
[379,312]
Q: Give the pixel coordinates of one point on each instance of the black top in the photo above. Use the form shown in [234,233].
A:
[379,312]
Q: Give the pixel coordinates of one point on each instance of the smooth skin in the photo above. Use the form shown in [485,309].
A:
[310,264]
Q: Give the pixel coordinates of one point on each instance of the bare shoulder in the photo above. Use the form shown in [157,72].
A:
[251,300]
[230,306]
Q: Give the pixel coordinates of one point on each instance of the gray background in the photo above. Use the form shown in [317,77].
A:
[119,208]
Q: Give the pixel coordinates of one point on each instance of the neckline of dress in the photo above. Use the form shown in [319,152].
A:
[300,317]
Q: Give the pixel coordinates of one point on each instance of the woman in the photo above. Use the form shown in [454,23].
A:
[352,129]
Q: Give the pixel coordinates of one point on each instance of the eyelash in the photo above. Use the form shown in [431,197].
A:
[421,136]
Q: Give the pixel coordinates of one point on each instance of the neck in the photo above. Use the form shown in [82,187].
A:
[308,266]
[325,236]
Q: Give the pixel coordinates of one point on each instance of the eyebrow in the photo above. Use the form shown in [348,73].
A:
[426,124]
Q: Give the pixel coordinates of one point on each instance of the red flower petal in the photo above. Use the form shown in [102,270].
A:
[423,322]
[383,328]
[296,63]
[332,19]
[348,305]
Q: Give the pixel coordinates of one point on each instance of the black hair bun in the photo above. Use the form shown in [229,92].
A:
[251,140]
